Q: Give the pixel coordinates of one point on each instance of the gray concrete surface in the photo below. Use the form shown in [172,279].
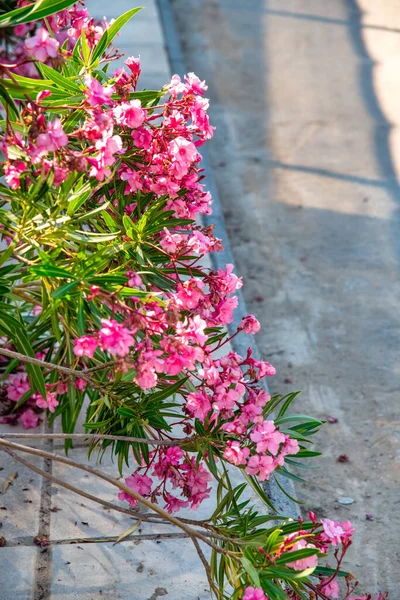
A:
[304,94]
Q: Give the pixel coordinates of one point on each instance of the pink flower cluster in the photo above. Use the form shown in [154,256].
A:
[178,473]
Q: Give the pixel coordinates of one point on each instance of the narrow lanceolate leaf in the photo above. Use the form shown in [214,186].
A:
[33,12]
[111,32]
[61,82]
[14,330]
[8,104]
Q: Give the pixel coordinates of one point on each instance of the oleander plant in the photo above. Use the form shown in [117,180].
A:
[107,309]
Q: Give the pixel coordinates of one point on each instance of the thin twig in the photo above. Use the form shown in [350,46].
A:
[45,364]
[100,436]
[206,566]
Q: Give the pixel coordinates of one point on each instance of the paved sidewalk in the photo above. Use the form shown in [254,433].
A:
[76,564]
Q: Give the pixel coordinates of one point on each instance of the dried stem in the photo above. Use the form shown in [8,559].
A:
[98,436]
[46,365]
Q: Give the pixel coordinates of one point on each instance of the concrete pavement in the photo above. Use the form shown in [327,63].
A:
[304,94]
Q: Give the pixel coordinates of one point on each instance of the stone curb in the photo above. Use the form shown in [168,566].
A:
[240,343]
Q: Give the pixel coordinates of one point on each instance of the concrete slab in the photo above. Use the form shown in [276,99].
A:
[17,572]
[76,517]
[143,570]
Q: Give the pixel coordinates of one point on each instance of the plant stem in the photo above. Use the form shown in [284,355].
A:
[95,436]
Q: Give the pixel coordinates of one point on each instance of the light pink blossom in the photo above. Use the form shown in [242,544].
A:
[198,404]
[41,45]
[53,139]
[115,338]
[250,324]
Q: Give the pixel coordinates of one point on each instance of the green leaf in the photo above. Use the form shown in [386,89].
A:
[326,571]
[9,104]
[63,290]
[288,557]
[111,32]
[62,82]
[251,571]
[167,392]
[15,331]
[295,418]
[50,271]
[85,48]
[34,11]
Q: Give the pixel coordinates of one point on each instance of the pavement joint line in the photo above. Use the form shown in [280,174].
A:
[42,574]
[28,542]
[282,503]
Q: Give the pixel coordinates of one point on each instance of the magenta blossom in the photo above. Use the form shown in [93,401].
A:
[29,419]
[252,593]
[138,483]
[115,338]
[85,346]
[96,93]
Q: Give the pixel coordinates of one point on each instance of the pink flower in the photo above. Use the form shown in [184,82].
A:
[252,593]
[267,437]
[330,589]
[29,419]
[134,279]
[96,93]
[174,504]
[236,455]
[195,85]
[336,532]
[85,346]
[264,369]
[13,173]
[304,563]
[189,293]
[146,376]
[42,95]
[17,386]
[176,86]
[142,138]
[133,63]
[80,384]
[41,45]
[183,154]
[193,329]
[262,466]
[224,311]
[138,483]
[250,324]
[198,404]
[50,403]
[129,113]
[37,310]
[115,338]
[53,139]
[173,455]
